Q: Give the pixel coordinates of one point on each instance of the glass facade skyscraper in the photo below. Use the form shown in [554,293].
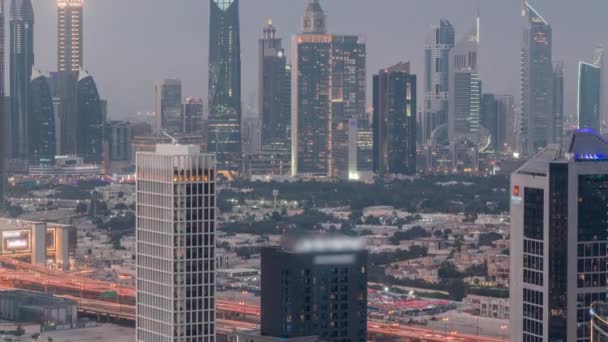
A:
[394,121]
[169,116]
[589,96]
[21,24]
[274,88]
[537,124]
[439,42]
[41,129]
[89,133]
[224,122]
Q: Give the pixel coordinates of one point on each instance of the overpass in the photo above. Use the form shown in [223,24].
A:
[89,294]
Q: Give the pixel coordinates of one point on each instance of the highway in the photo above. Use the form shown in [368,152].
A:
[88,293]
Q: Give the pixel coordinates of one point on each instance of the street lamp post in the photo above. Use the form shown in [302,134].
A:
[503,328]
[445,327]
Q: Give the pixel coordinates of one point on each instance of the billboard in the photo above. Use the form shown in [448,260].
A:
[16,241]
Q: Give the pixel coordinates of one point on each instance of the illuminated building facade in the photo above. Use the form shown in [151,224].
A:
[537,123]
[70,50]
[169,106]
[315,286]
[21,24]
[224,122]
[558,240]
[41,243]
[394,121]
[175,235]
[41,130]
[328,88]
[274,101]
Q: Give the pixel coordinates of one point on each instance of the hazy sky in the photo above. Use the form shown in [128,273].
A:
[129,44]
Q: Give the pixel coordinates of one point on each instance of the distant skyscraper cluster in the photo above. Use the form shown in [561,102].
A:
[56,114]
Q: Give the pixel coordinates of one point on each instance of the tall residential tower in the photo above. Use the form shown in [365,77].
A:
[224,123]
[175,235]
[70,46]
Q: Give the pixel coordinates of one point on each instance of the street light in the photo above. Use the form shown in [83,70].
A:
[445,327]
[503,328]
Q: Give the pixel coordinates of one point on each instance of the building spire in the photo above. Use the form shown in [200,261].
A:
[314,20]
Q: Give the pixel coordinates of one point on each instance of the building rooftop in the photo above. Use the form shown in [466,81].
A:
[585,145]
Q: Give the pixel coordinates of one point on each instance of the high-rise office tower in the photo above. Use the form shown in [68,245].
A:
[274,87]
[464,93]
[558,103]
[589,96]
[439,42]
[328,87]
[41,128]
[224,122]
[70,45]
[193,115]
[21,23]
[497,117]
[558,240]
[169,106]
[536,125]
[90,125]
[598,59]
[175,235]
[394,121]
[119,136]
[315,286]
[63,85]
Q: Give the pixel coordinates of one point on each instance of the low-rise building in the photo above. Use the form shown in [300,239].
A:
[489,306]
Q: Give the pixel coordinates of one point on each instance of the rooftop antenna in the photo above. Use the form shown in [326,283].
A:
[173,140]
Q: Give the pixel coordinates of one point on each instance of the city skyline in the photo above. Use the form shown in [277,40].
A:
[501,42]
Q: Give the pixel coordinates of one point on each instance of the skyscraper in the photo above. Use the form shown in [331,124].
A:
[119,136]
[315,286]
[439,42]
[169,106]
[464,94]
[497,117]
[274,88]
[21,22]
[70,45]
[175,235]
[328,87]
[89,134]
[224,123]
[394,121]
[41,128]
[589,96]
[558,103]
[193,115]
[558,240]
[536,125]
